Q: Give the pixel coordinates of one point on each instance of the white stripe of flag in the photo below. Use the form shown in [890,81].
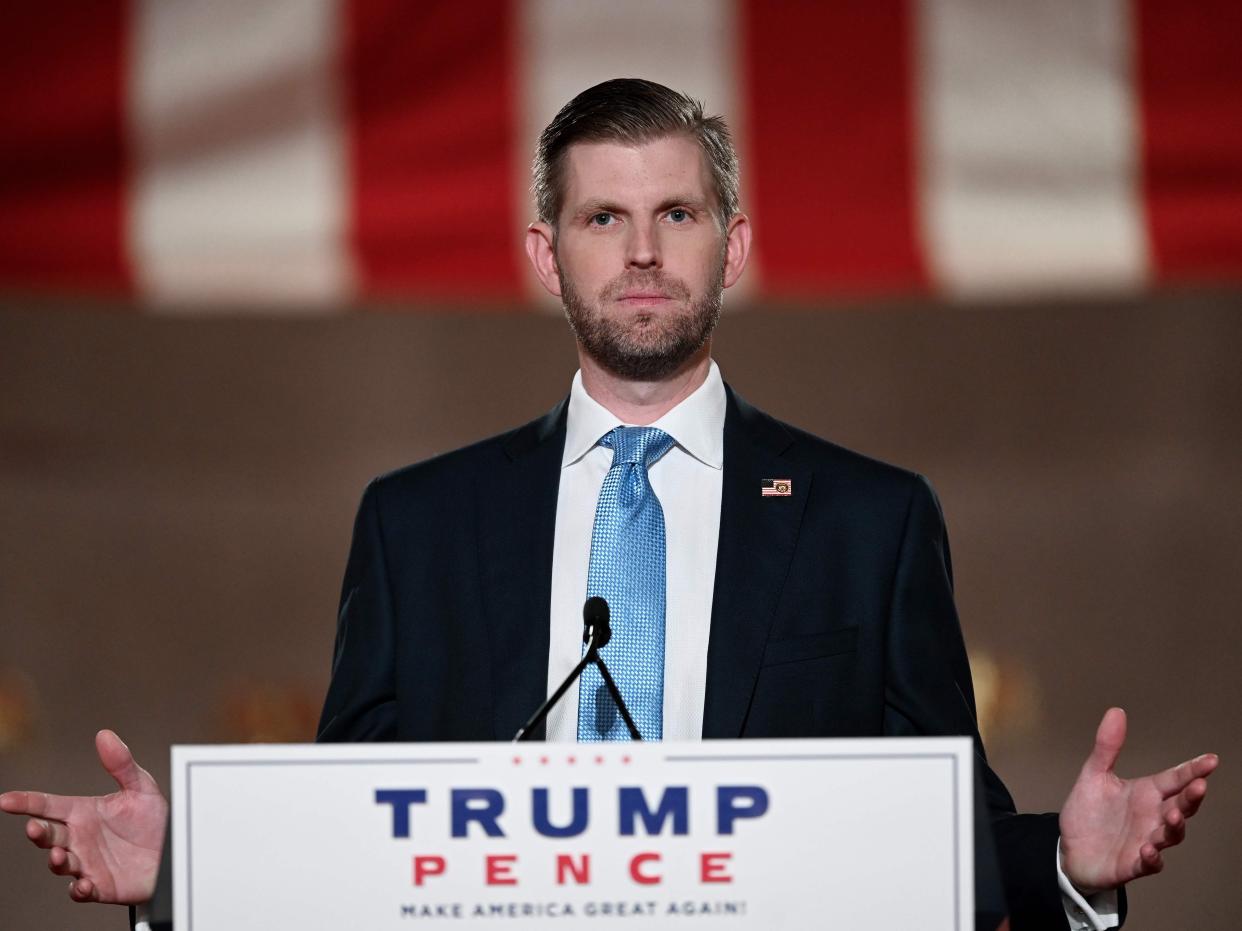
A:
[1029,145]
[240,183]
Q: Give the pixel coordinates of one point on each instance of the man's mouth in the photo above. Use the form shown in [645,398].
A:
[643,298]
[638,291]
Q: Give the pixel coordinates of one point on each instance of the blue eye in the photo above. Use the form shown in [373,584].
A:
[601,219]
[678,215]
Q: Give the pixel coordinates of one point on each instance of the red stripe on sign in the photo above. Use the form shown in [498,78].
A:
[1190,78]
[831,146]
[432,123]
[62,146]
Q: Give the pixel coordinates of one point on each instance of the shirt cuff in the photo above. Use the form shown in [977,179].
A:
[1086,913]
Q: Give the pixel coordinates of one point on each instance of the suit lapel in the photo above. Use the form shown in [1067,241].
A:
[517,526]
[757,538]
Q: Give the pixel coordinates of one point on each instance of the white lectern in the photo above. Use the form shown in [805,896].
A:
[724,834]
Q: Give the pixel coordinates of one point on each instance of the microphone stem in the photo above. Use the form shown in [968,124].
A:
[615,693]
[524,733]
[591,656]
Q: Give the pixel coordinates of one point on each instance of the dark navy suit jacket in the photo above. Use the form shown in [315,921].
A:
[833,611]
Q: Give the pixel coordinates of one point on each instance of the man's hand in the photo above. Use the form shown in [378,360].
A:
[1113,829]
[110,844]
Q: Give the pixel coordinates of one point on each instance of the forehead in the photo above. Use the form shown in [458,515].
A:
[647,174]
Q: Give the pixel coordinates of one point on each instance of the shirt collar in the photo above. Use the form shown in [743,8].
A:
[696,424]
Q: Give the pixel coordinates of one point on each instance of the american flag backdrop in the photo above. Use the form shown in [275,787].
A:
[311,154]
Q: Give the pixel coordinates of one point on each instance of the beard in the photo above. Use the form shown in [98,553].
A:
[649,343]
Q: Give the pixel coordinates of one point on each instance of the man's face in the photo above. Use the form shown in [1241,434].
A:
[640,259]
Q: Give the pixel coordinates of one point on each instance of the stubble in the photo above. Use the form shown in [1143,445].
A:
[648,344]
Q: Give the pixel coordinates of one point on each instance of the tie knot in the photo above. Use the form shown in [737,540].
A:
[637,444]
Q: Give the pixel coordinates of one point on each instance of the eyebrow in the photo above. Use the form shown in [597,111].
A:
[592,207]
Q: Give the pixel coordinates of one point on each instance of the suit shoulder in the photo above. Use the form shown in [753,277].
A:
[855,469]
[878,492]
[468,463]
[843,460]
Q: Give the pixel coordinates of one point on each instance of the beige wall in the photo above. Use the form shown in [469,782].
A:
[176,498]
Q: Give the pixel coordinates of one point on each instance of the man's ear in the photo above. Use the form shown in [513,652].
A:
[737,248]
[539,237]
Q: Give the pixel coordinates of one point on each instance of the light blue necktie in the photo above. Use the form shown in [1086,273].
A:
[627,569]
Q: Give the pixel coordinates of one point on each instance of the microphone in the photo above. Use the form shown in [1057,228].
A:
[595,622]
[596,632]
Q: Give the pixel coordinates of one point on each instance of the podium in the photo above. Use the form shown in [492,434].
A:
[724,834]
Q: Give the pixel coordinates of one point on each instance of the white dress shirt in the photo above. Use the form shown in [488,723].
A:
[688,481]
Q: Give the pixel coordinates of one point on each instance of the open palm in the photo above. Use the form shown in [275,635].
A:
[109,844]
[1113,829]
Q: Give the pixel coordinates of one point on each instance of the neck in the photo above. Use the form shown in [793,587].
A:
[643,402]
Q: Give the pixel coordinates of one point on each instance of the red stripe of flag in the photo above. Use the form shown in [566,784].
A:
[1190,79]
[831,146]
[62,146]
[430,97]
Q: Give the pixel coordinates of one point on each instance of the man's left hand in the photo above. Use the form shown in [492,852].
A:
[1113,829]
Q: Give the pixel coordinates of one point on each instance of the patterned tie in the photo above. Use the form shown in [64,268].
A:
[627,570]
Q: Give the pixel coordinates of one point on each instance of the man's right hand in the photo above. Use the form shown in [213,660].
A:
[109,844]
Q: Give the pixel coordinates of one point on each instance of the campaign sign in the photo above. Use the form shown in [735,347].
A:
[723,834]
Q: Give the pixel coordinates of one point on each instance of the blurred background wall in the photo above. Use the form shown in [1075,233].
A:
[253,254]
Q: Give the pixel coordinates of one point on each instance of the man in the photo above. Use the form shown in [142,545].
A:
[820,608]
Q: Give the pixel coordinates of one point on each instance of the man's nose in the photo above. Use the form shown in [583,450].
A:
[643,247]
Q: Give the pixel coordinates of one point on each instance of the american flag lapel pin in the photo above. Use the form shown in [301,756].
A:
[776,487]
